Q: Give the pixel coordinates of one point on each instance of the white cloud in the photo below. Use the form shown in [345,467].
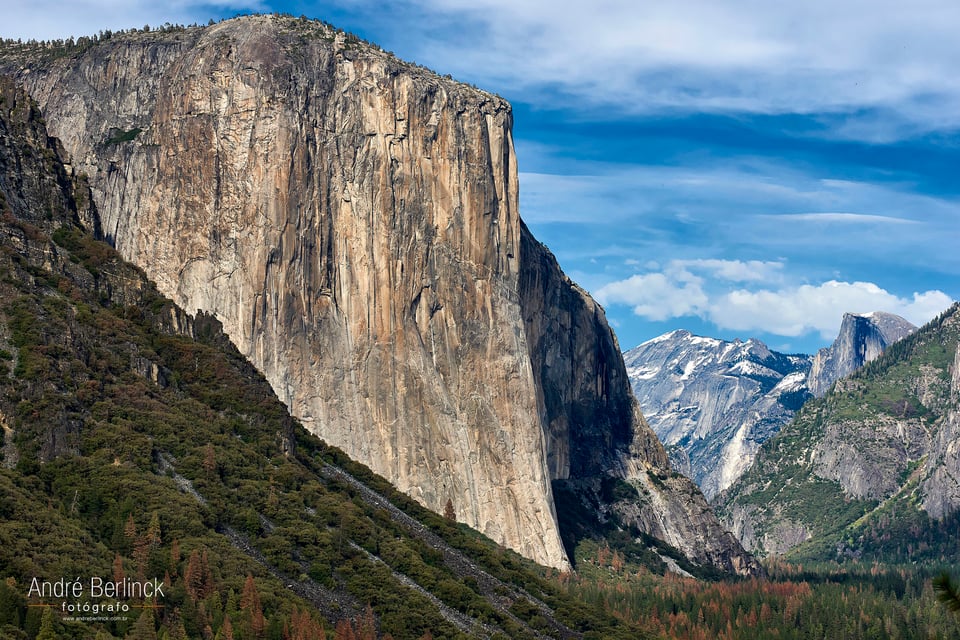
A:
[787,311]
[657,296]
[46,19]
[741,56]
[737,270]
[854,218]
[887,66]
[679,289]
[795,311]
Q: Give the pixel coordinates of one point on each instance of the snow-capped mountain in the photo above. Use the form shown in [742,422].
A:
[713,402]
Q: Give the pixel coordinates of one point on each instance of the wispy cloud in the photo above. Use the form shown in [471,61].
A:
[743,209]
[887,66]
[845,218]
[743,162]
[46,19]
[735,270]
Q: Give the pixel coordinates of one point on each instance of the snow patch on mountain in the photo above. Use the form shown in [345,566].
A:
[714,402]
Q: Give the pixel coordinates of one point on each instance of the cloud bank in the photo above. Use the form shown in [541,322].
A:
[701,288]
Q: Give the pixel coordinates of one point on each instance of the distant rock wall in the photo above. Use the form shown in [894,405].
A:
[879,445]
[862,338]
[714,402]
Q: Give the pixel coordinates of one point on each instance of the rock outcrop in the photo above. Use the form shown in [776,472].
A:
[713,402]
[594,425]
[862,338]
[352,221]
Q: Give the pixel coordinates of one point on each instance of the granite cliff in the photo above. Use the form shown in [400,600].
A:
[352,221]
[714,402]
[116,415]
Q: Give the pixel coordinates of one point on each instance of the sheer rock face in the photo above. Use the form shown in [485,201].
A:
[352,221]
[862,338]
[593,422]
[941,490]
[713,403]
[885,439]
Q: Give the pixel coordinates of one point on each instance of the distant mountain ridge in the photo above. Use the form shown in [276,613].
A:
[714,402]
[870,469]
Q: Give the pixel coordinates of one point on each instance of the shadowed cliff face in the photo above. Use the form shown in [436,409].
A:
[594,426]
[352,221]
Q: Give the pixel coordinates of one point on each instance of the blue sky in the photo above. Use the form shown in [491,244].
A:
[738,169]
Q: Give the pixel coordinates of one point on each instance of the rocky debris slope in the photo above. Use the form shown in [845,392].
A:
[352,221]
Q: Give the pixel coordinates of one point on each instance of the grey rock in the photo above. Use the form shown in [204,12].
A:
[880,442]
[862,338]
[714,402]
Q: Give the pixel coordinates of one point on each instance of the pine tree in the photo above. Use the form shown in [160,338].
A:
[153,531]
[304,627]
[174,567]
[118,574]
[368,626]
[193,576]
[144,628]
[130,529]
[448,511]
[48,629]
[250,605]
[226,631]
[344,631]
[206,573]
[947,592]
[209,460]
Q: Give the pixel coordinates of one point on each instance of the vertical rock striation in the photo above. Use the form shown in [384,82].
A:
[352,221]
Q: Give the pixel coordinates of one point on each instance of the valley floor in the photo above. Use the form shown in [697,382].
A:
[852,601]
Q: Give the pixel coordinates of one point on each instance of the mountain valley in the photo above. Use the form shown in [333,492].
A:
[713,403]
[275,339]
[381,279]
[872,456]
